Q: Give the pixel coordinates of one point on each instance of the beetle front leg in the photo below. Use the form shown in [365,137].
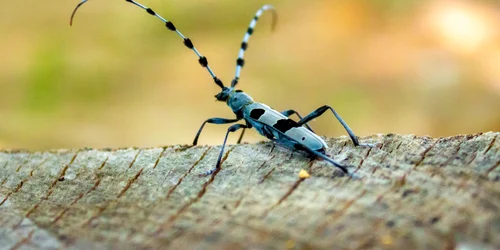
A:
[213,121]
[233,128]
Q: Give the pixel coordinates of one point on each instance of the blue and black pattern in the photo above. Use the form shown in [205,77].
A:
[268,122]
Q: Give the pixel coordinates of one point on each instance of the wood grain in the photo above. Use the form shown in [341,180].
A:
[411,192]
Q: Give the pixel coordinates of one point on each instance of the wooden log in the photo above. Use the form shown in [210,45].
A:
[412,193]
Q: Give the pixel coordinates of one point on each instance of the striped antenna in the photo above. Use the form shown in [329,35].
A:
[244,45]
[187,42]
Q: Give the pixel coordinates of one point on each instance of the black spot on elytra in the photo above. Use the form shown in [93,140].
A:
[303,138]
[238,91]
[256,113]
[284,125]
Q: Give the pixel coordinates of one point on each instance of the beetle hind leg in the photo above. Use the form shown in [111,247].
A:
[318,112]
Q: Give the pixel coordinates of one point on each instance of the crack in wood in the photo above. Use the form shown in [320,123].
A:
[129,183]
[363,160]
[81,195]
[273,145]
[23,241]
[103,164]
[101,210]
[474,155]
[54,183]
[389,153]
[490,145]
[37,166]
[50,189]
[271,171]
[336,215]
[492,168]
[5,165]
[174,237]
[187,172]
[200,194]
[61,176]
[466,139]
[240,200]
[159,157]
[267,175]
[135,158]
[19,186]
[66,209]
[265,161]
[183,148]
[20,166]
[397,147]
[289,192]
[342,147]
[96,184]
[425,153]
[452,156]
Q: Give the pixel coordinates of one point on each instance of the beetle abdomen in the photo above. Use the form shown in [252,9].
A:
[267,120]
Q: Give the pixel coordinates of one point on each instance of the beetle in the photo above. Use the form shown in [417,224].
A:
[276,126]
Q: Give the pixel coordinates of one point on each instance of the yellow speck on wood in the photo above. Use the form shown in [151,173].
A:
[386,239]
[304,174]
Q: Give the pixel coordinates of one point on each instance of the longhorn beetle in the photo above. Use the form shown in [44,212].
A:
[270,123]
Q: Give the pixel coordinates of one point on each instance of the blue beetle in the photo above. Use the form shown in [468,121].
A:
[276,126]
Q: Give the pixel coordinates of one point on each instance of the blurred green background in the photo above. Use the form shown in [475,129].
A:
[119,78]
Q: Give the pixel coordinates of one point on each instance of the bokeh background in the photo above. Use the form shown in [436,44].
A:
[119,78]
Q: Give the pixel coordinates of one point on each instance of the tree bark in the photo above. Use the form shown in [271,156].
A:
[411,193]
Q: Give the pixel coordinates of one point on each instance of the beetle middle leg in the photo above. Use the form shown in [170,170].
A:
[322,110]
[233,128]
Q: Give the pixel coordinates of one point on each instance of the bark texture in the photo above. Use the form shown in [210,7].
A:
[411,193]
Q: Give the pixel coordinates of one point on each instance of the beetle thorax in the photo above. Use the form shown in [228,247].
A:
[237,100]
